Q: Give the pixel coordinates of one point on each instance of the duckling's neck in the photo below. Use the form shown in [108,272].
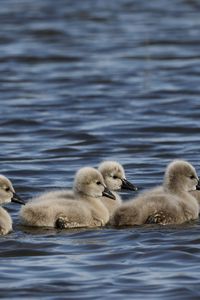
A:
[174,189]
[84,196]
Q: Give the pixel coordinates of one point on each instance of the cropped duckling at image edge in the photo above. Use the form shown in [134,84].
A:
[114,176]
[171,203]
[7,194]
[85,210]
[196,194]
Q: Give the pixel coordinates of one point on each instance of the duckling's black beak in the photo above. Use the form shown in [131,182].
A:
[198,186]
[17,199]
[128,186]
[107,193]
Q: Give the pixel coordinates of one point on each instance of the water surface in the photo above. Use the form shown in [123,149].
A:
[84,81]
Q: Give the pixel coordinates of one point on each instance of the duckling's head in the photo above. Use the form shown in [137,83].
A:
[89,182]
[114,176]
[180,176]
[7,192]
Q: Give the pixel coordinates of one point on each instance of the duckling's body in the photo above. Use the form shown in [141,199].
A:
[171,203]
[5,222]
[62,213]
[112,205]
[7,194]
[85,210]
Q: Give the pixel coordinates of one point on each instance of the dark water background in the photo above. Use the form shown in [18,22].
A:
[84,81]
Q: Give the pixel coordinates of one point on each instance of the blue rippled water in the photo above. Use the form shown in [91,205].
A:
[84,81]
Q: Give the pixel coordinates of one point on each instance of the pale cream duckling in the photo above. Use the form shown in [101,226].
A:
[115,180]
[7,194]
[170,204]
[86,210]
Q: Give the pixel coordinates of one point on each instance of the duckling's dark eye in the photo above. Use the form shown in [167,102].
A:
[115,177]
[192,177]
[7,189]
[98,182]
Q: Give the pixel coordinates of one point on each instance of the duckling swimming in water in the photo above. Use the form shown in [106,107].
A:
[114,176]
[171,203]
[7,194]
[86,210]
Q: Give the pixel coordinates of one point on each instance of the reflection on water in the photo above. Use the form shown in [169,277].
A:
[83,81]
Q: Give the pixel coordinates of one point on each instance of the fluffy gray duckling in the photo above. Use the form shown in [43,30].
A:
[114,176]
[172,203]
[85,210]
